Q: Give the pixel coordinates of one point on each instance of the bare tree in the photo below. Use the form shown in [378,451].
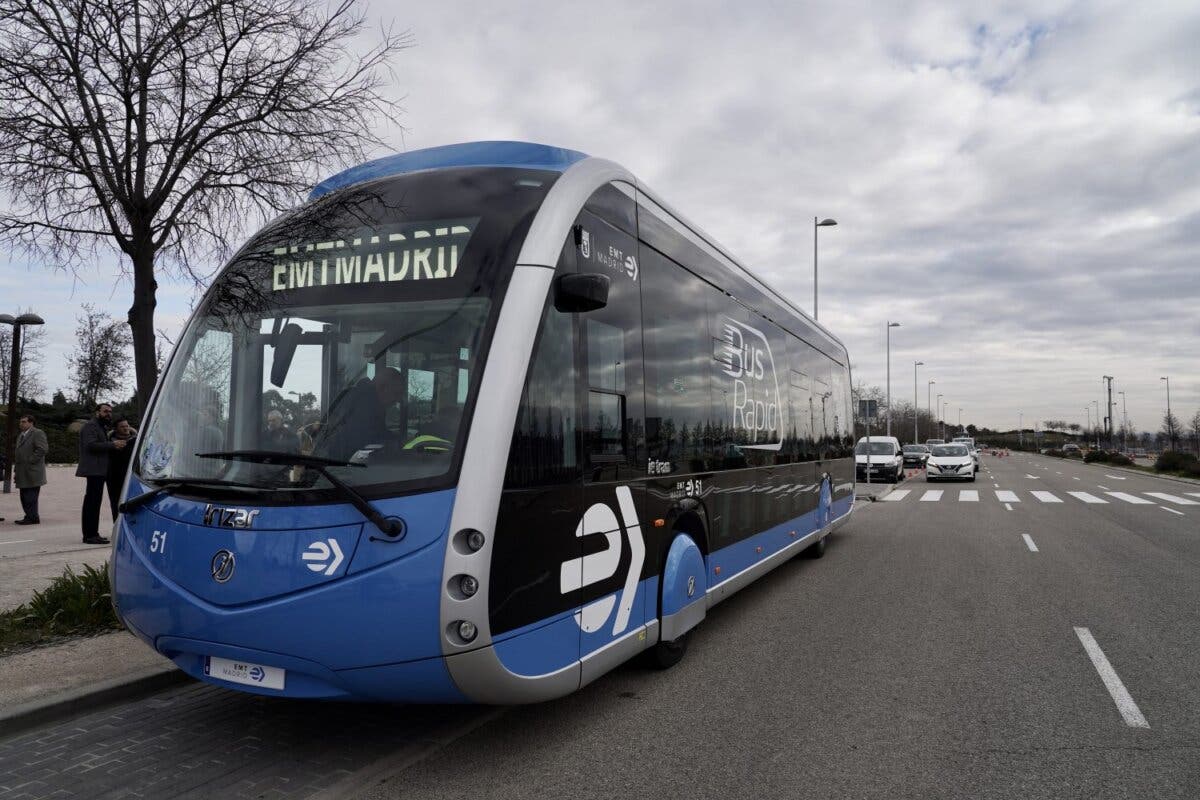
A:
[161,127]
[100,361]
[1170,429]
[29,383]
[1195,424]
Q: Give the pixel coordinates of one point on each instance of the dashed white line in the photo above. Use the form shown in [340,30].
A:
[1074,478]
[18,541]
[1170,498]
[1087,498]
[1098,486]
[1173,511]
[1029,541]
[1114,477]
[1120,695]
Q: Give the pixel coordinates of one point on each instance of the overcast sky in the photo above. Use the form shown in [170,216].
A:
[1017,184]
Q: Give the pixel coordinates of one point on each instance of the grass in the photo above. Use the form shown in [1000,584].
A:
[72,605]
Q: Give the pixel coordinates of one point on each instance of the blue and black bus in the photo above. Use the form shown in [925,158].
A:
[474,424]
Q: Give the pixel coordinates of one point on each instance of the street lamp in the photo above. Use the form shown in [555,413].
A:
[1170,422]
[14,375]
[929,405]
[1021,429]
[915,424]
[945,408]
[939,415]
[890,325]
[1096,429]
[960,427]
[1124,424]
[825,223]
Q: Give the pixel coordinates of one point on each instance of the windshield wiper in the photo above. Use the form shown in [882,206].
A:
[174,484]
[389,526]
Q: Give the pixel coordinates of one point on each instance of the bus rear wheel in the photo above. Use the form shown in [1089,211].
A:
[665,655]
[816,549]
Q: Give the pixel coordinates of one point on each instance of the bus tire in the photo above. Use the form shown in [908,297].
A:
[665,655]
[816,549]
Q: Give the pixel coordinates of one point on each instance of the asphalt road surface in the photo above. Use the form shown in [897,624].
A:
[1029,635]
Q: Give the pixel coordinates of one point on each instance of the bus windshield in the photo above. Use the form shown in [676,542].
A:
[355,337]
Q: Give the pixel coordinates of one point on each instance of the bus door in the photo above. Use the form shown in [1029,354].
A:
[611,396]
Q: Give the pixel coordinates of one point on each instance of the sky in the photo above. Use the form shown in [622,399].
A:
[1016,184]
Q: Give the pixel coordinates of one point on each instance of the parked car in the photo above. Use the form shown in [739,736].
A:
[915,455]
[1071,450]
[950,462]
[881,459]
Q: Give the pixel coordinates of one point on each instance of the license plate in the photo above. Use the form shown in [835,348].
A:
[244,672]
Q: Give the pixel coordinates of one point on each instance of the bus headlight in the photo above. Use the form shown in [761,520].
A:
[467,631]
[468,585]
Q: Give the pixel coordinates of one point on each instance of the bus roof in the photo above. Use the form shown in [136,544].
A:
[527,155]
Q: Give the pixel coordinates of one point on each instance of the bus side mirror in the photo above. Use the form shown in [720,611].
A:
[586,292]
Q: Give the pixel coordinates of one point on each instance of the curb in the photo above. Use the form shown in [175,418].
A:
[87,698]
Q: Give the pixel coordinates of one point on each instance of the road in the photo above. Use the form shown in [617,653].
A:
[1008,646]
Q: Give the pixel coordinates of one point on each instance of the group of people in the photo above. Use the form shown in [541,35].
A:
[105,450]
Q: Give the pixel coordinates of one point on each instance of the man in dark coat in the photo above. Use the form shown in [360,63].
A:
[94,448]
[29,468]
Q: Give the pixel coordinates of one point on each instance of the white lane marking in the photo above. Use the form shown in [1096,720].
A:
[1058,473]
[1114,477]
[995,486]
[1033,477]
[1192,494]
[1173,511]
[18,541]
[1005,496]
[968,496]
[931,496]
[1087,498]
[1029,541]
[1120,695]
[897,494]
[1098,486]
[1170,498]
[1008,506]
[1046,497]
[1074,478]
[1129,498]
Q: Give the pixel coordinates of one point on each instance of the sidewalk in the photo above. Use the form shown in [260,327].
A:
[54,681]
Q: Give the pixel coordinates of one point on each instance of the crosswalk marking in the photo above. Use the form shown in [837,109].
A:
[1005,496]
[933,495]
[1170,498]
[968,496]
[1129,498]
[1047,497]
[1192,494]
[1087,498]
[897,494]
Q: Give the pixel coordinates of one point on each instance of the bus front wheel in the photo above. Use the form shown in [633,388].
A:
[665,655]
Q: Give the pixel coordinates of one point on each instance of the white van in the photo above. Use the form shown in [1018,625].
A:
[883,457]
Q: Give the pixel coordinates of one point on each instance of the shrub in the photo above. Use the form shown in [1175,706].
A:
[1174,461]
[71,604]
[1096,456]
[1118,460]
[1055,453]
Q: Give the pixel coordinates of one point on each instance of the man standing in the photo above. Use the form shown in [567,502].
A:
[94,448]
[29,468]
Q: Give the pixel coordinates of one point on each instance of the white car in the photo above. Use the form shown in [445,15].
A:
[950,462]
[886,459]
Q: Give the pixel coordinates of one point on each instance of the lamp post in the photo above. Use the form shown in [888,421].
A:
[960,427]
[945,408]
[1170,424]
[14,376]
[889,327]
[929,405]
[1021,429]
[1096,428]
[1087,432]
[1124,424]
[825,223]
[915,424]
[939,416]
